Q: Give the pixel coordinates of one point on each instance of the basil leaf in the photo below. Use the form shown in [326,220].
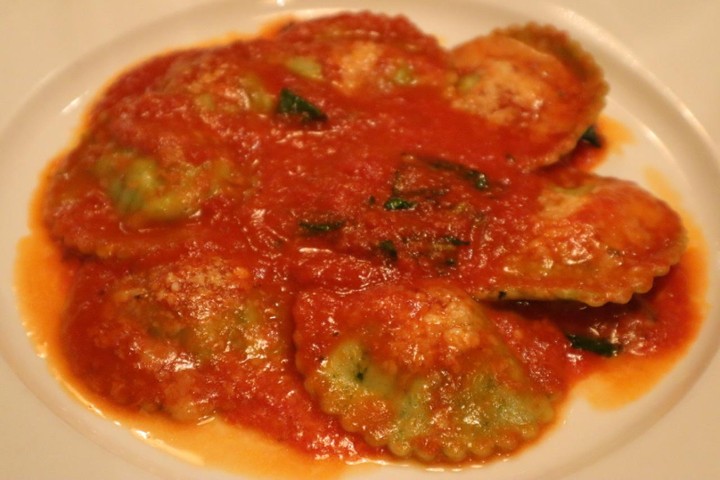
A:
[591,136]
[292,104]
[388,247]
[599,346]
[397,203]
[477,178]
[321,227]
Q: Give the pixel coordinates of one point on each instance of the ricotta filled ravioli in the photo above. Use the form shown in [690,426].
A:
[357,242]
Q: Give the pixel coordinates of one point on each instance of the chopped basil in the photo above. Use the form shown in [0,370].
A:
[321,227]
[455,242]
[388,247]
[591,136]
[292,104]
[445,250]
[397,203]
[477,178]
[599,346]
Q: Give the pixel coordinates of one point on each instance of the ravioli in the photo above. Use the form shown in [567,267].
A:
[120,197]
[417,368]
[360,56]
[534,82]
[594,240]
[153,337]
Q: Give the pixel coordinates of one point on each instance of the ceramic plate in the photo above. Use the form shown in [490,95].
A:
[665,143]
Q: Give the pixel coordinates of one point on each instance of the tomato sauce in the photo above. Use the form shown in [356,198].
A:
[211,187]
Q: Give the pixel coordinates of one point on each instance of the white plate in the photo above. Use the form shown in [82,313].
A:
[667,139]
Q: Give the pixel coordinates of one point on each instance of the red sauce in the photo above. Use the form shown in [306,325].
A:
[346,202]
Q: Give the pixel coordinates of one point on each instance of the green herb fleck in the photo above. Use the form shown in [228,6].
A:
[388,247]
[292,104]
[599,346]
[314,228]
[591,136]
[477,178]
[455,241]
[397,203]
